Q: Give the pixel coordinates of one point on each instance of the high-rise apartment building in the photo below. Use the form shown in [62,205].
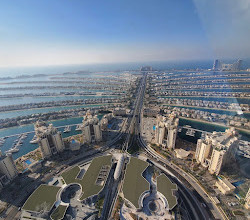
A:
[8,169]
[219,66]
[217,150]
[50,139]
[203,150]
[166,130]
[91,128]
[146,68]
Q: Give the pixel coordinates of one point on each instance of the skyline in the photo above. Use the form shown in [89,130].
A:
[46,33]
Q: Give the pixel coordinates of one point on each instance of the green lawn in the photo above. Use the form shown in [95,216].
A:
[69,176]
[59,212]
[166,187]
[88,181]
[134,184]
[43,198]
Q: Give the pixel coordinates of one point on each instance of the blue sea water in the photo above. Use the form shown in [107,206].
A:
[26,100]
[238,183]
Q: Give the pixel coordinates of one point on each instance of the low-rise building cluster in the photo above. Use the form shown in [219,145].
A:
[227,120]
[205,104]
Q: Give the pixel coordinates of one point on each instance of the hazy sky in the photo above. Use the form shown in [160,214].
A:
[48,32]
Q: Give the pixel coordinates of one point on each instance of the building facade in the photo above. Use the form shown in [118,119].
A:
[8,169]
[166,131]
[203,150]
[91,128]
[50,139]
[217,150]
[224,186]
[105,121]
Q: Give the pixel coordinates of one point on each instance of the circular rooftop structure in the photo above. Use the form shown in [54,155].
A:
[71,192]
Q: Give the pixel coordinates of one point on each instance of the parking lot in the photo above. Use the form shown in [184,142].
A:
[148,125]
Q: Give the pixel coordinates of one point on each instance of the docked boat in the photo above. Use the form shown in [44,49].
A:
[179,129]
[34,140]
[2,141]
[12,150]
[78,127]
[190,132]
[203,134]
[67,129]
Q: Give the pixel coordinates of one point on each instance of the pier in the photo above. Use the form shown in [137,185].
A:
[194,129]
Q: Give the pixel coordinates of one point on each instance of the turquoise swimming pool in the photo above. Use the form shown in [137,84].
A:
[28,162]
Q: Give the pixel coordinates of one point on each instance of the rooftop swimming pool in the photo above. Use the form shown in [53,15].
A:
[28,162]
[238,183]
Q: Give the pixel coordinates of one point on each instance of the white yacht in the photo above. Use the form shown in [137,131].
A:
[34,140]
[67,129]
[79,127]
[190,132]
[12,150]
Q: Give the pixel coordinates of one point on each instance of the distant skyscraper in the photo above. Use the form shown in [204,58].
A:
[219,66]
[146,68]
[50,139]
[91,128]
[8,169]
[166,131]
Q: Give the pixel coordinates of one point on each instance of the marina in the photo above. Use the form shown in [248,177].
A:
[187,129]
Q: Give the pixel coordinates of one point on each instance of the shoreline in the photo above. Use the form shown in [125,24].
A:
[219,109]
[56,107]
[1,129]
[216,124]
[51,96]
[221,97]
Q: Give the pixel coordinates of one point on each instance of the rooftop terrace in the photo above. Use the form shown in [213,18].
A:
[90,182]
[42,199]
[166,187]
[59,212]
[135,184]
